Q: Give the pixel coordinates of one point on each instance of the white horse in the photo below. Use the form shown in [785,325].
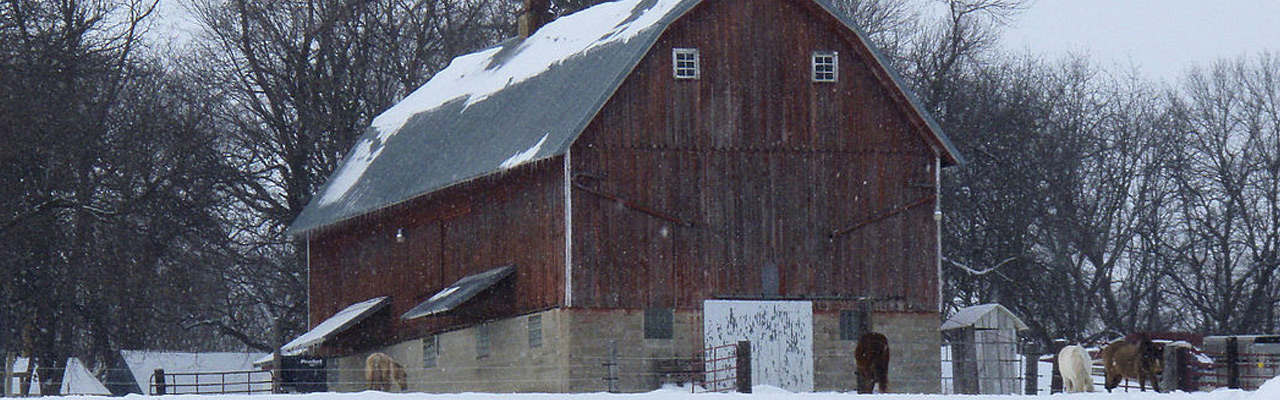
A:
[1074,364]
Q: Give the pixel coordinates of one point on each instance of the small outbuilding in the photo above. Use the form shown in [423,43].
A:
[984,349]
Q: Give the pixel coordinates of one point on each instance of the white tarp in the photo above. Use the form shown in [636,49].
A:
[76,380]
[781,335]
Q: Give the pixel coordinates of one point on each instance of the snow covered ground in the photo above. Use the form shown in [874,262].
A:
[1269,391]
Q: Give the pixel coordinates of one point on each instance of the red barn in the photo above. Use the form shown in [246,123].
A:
[599,183]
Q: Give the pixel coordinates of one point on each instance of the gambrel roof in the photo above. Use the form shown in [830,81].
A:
[521,101]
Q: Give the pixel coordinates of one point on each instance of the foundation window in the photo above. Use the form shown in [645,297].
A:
[658,323]
[854,323]
[430,351]
[535,331]
[483,332]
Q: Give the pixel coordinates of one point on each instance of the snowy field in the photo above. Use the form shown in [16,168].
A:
[1269,391]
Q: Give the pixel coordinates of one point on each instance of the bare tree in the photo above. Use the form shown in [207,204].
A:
[1228,201]
[110,184]
[1065,174]
[890,24]
[300,81]
[940,53]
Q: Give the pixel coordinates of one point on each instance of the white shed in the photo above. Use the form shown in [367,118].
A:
[984,349]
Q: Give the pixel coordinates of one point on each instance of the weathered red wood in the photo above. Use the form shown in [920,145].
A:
[763,162]
[512,219]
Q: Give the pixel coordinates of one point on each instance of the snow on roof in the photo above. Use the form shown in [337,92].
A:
[524,156]
[337,323]
[477,76]
[459,292]
[143,363]
[519,102]
[982,316]
[76,380]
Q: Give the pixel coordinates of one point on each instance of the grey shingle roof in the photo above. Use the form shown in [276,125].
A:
[520,101]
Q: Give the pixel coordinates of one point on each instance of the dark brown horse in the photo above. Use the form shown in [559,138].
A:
[872,355]
[1143,361]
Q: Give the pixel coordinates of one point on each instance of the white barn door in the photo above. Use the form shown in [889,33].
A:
[781,335]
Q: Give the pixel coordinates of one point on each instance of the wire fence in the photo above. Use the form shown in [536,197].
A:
[634,372]
[714,369]
[1212,370]
[710,370]
[1190,369]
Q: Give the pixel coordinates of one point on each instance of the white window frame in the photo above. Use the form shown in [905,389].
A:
[818,66]
[682,66]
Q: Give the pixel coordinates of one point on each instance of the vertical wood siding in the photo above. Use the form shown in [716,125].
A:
[515,218]
[761,163]
[683,191]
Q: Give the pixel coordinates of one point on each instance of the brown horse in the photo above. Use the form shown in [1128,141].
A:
[384,373]
[872,355]
[1143,361]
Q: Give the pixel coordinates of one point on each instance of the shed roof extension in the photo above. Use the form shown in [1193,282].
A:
[517,102]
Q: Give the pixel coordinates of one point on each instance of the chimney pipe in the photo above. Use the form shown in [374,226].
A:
[536,13]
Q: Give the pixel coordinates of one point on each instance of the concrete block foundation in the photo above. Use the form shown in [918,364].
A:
[575,344]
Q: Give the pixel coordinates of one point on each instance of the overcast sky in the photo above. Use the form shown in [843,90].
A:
[1161,37]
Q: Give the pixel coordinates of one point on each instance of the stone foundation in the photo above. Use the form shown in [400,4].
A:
[576,343]
[914,347]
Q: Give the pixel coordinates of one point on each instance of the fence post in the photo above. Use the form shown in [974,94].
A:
[1172,368]
[277,358]
[1055,384]
[1032,374]
[1186,381]
[744,366]
[160,382]
[612,366]
[8,374]
[24,382]
[1233,363]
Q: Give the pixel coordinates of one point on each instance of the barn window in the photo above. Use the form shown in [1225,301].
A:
[684,62]
[825,66]
[535,331]
[657,323]
[430,351]
[854,323]
[482,341]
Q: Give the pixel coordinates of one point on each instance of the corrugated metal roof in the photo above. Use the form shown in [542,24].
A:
[521,101]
